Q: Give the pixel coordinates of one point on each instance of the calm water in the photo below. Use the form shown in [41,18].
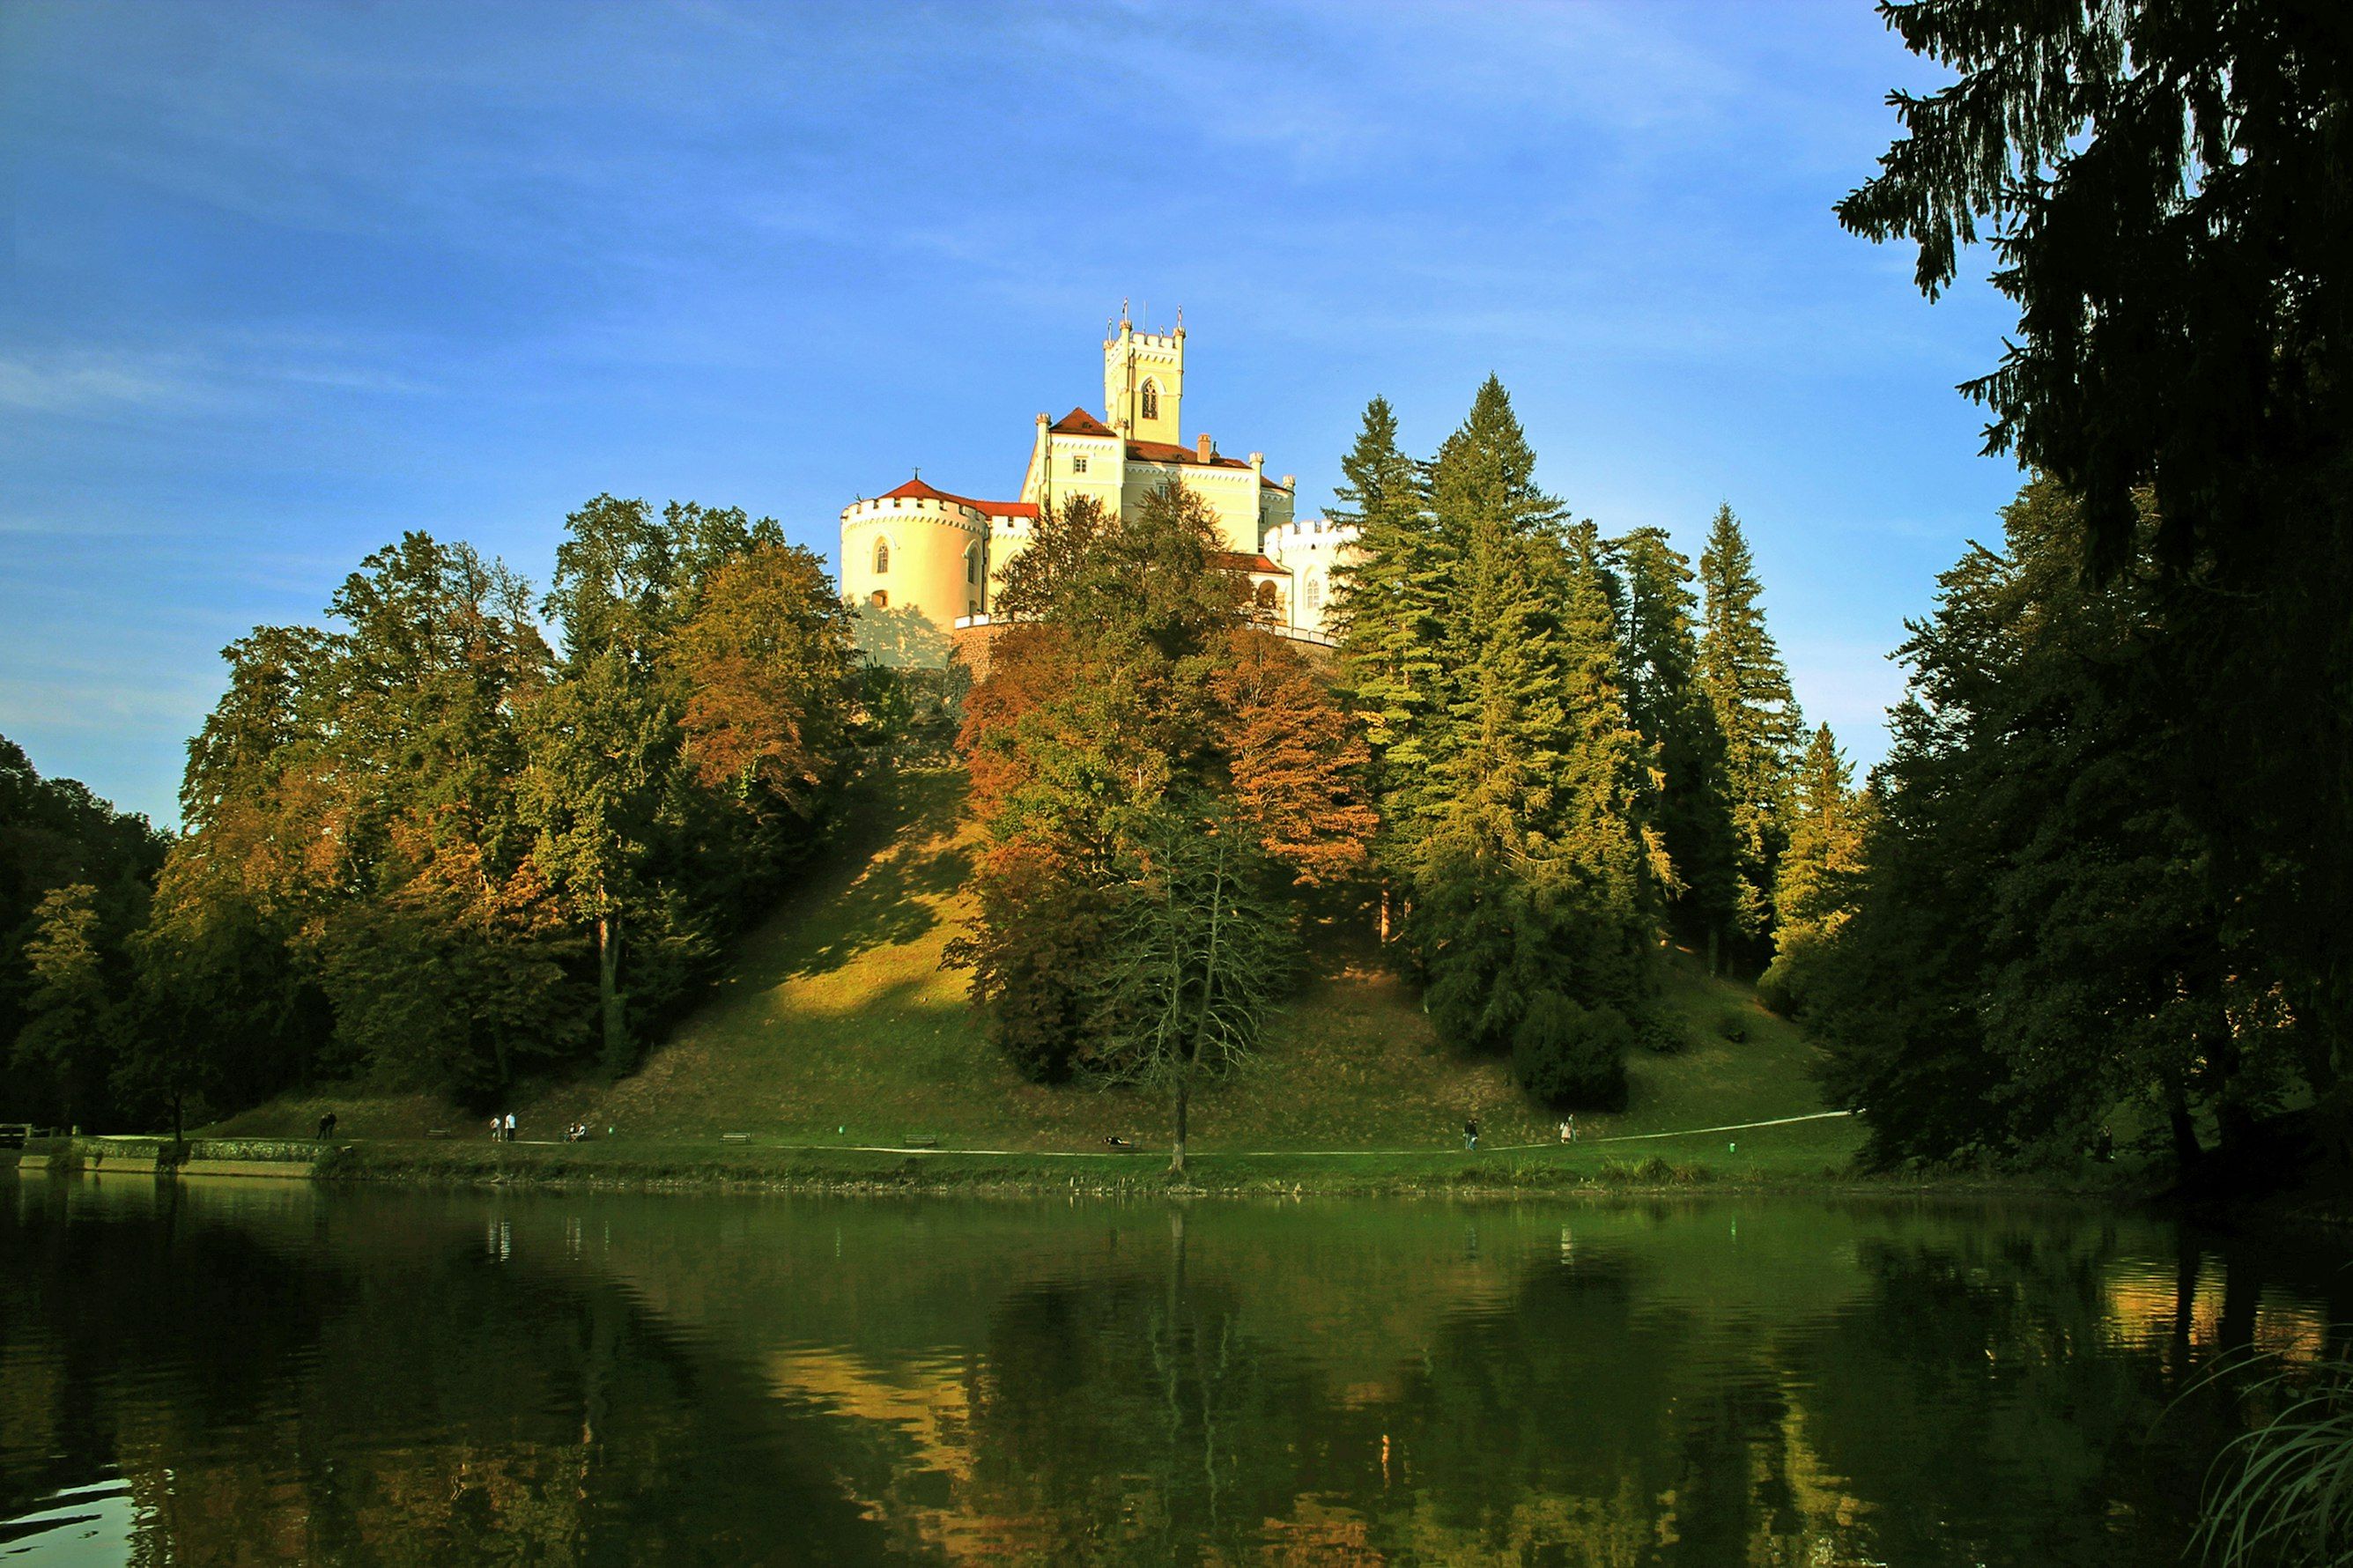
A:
[235,1373]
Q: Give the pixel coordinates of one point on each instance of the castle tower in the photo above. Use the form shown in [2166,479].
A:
[916,548]
[1144,382]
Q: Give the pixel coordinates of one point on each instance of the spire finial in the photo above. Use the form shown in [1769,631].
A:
[1123,310]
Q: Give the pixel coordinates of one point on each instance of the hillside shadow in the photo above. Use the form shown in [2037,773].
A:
[885,880]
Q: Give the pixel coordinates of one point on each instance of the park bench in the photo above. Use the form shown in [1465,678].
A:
[1116,1142]
[921,1141]
[15,1134]
[735,1136]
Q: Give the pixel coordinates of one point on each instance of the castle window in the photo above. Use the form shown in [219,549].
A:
[972,565]
[1316,593]
[878,599]
[1266,601]
[882,557]
[1151,400]
[1077,464]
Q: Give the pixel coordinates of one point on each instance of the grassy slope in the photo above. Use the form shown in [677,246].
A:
[839,1026]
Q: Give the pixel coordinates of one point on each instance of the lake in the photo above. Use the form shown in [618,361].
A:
[227,1371]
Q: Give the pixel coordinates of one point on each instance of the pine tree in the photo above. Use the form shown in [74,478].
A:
[1389,610]
[1820,879]
[1528,878]
[1505,723]
[1685,798]
[1748,693]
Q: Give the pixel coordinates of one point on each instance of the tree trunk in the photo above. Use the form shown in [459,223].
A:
[608,992]
[2186,1151]
[1385,914]
[1715,941]
[1184,1097]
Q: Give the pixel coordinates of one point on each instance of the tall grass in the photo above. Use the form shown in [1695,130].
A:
[2283,1494]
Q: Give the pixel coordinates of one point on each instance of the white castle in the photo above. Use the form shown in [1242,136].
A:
[919,547]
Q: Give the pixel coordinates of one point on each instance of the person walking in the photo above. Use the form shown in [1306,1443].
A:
[497,1127]
[509,1126]
[326,1127]
[1470,1133]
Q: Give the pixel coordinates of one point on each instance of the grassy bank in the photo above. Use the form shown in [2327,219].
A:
[838,1029]
[1668,1165]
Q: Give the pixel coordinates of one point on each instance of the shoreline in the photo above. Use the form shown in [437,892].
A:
[689,1166]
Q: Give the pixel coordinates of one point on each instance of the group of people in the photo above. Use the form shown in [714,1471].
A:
[503,1129]
[1470,1130]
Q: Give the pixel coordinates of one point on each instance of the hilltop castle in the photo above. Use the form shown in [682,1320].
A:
[919,547]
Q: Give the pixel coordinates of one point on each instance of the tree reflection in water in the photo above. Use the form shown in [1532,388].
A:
[357,1378]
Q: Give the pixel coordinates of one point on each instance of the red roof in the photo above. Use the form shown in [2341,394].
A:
[1229,561]
[1079,422]
[1166,452]
[916,489]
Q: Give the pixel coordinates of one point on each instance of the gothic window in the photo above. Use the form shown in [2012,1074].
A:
[1151,400]
[878,599]
[882,557]
[1316,593]
[972,565]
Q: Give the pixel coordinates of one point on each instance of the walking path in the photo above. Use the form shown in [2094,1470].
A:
[1311,1153]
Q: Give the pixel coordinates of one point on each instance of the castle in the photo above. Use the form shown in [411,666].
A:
[919,547]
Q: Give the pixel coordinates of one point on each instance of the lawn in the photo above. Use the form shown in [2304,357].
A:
[839,1026]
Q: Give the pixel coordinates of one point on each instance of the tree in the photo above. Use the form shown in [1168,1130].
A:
[1297,763]
[1528,875]
[1198,958]
[766,660]
[71,1018]
[2034,939]
[2157,185]
[1820,874]
[1755,714]
[601,742]
[1685,795]
[1129,709]
[1389,611]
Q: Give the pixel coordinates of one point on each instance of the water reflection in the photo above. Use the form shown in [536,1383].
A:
[235,1373]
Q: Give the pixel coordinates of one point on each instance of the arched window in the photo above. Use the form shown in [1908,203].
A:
[878,599]
[1316,593]
[882,557]
[1266,601]
[971,564]
[1151,400]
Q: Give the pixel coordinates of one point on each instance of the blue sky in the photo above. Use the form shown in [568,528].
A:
[282,280]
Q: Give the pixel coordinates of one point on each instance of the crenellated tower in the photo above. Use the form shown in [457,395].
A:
[1144,382]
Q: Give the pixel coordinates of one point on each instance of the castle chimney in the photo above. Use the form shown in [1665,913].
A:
[1203,447]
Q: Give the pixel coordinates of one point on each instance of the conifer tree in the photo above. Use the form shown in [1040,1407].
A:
[1529,878]
[1389,612]
[1686,799]
[1748,692]
[1820,879]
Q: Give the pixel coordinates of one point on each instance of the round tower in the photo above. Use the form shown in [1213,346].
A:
[916,548]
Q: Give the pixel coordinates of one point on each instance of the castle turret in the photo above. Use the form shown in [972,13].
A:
[1144,382]
[916,548]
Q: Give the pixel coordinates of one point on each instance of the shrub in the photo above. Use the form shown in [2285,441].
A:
[1733,1024]
[1661,1034]
[1570,1057]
